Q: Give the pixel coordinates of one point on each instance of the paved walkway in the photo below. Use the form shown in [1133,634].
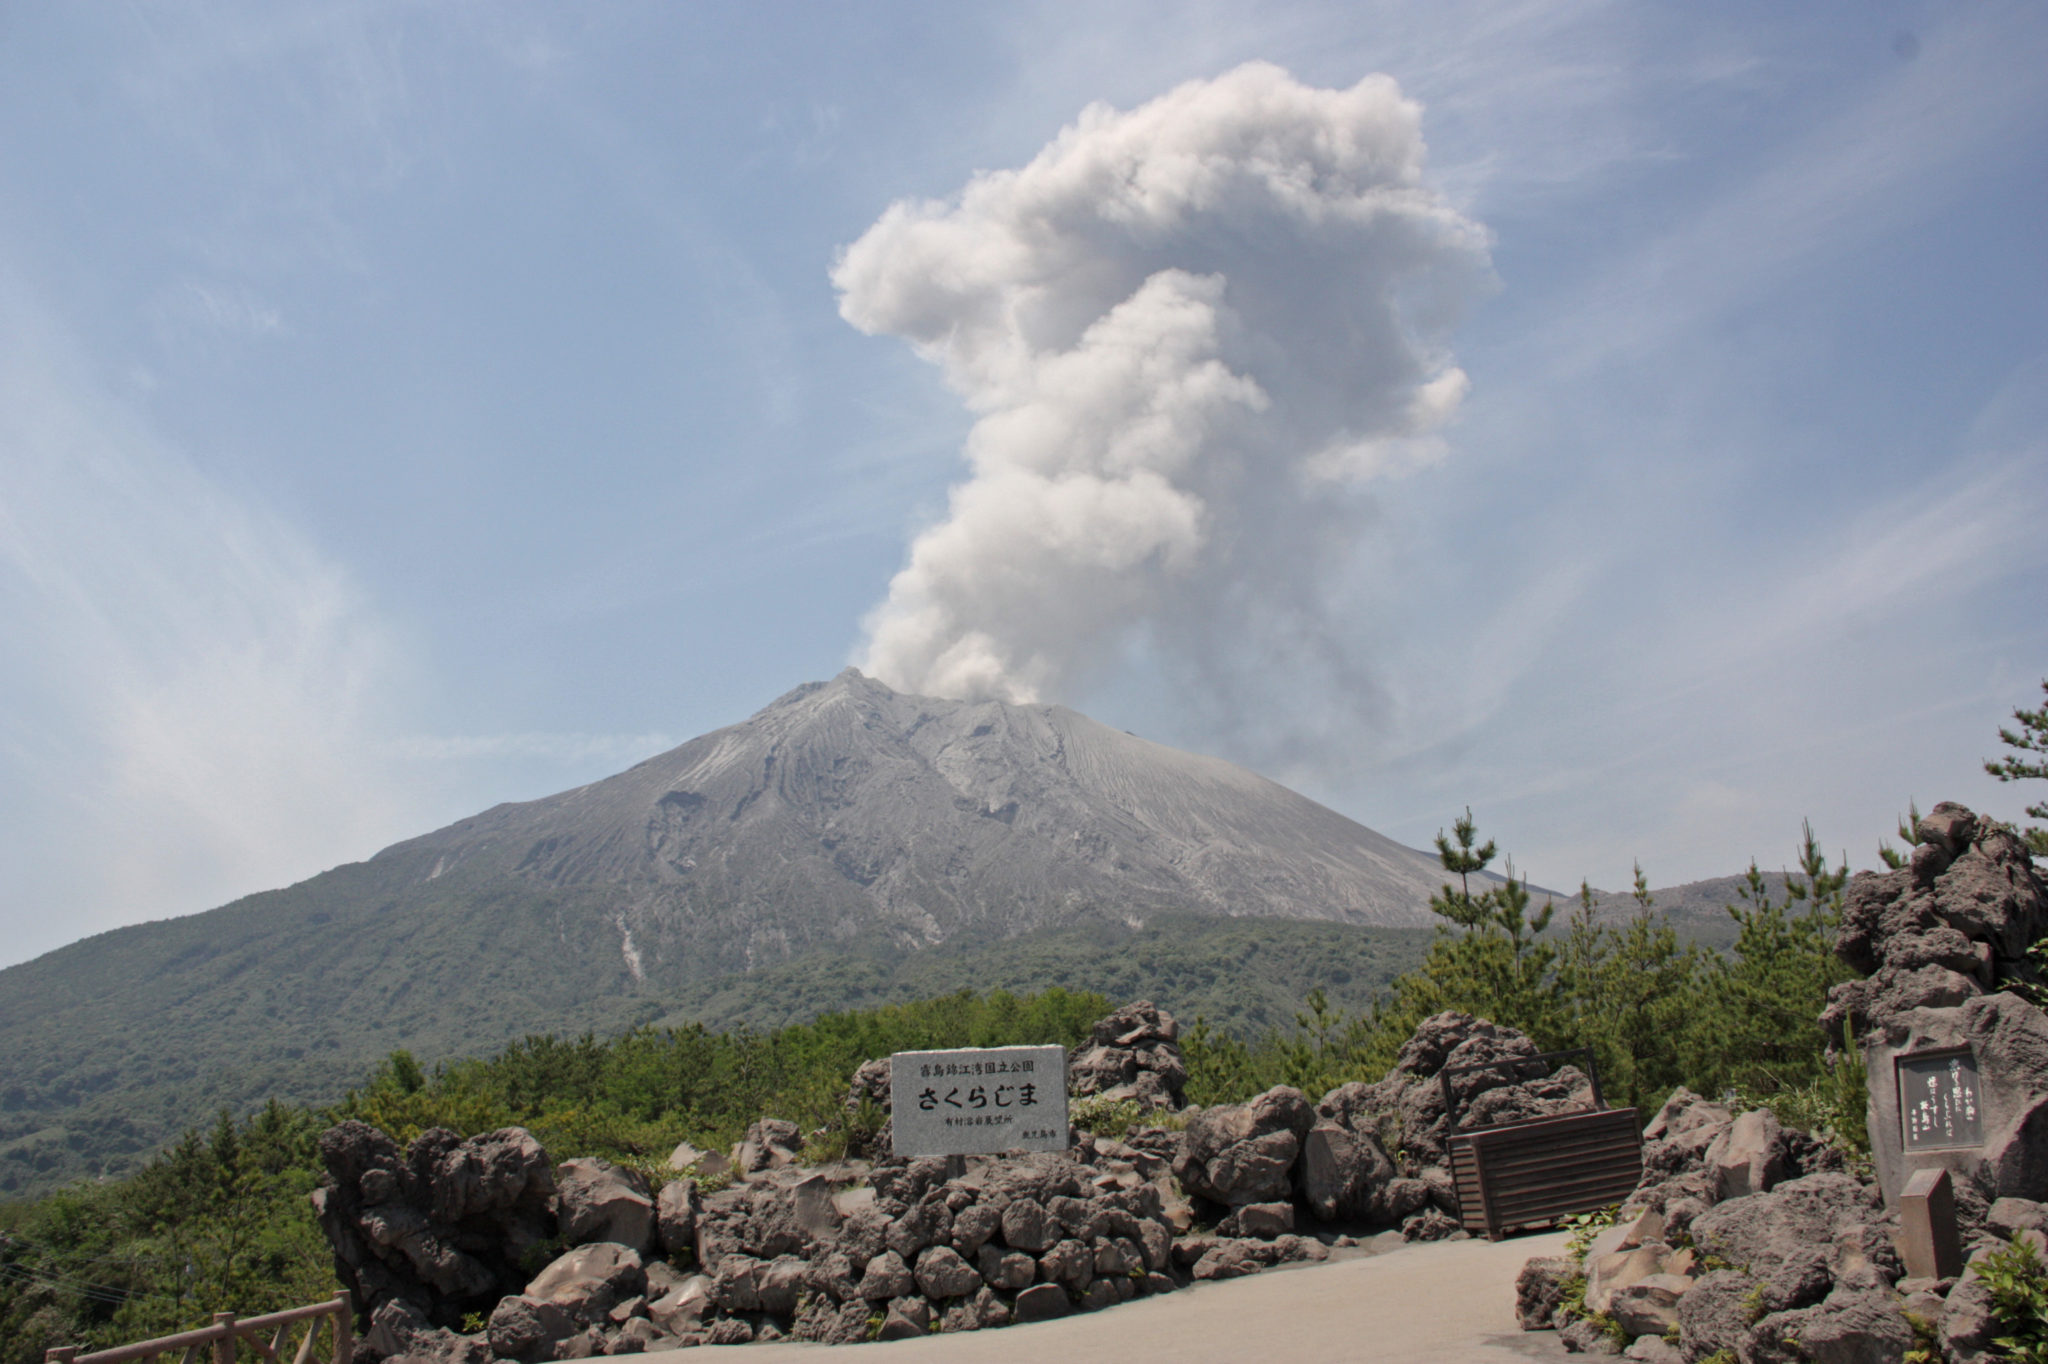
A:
[1452,1302]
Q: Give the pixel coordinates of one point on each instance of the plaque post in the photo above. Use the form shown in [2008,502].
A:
[1928,1241]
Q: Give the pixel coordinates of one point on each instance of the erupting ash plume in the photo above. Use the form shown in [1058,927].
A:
[1190,333]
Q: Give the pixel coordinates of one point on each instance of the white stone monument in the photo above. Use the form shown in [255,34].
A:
[978,1099]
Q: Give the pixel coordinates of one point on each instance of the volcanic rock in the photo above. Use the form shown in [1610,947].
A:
[1242,1153]
[1940,942]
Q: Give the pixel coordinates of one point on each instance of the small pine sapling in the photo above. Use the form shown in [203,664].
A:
[2030,737]
[1461,906]
[1909,834]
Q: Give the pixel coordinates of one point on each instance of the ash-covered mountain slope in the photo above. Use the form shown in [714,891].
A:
[842,825]
[845,811]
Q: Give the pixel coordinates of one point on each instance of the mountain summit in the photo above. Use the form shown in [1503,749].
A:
[845,811]
[842,821]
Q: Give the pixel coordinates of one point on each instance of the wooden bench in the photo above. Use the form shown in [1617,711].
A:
[1519,1174]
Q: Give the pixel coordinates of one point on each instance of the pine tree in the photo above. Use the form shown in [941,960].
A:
[1627,993]
[1581,957]
[1754,1030]
[2030,737]
[1646,996]
[1497,968]
[1460,906]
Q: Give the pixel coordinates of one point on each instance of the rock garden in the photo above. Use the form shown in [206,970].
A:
[1750,1242]
[484,1249]
[1746,1240]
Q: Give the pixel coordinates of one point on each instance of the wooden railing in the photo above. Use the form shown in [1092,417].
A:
[226,1334]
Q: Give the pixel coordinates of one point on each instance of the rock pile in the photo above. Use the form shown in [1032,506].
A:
[1941,943]
[581,1258]
[1380,1152]
[1743,1235]
[1746,1275]
[425,1238]
[1134,1054]
[845,1253]
[1370,1153]
[1012,1238]
[1697,1154]
[1751,1241]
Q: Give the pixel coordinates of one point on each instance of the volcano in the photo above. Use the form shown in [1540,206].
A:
[843,820]
[846,811]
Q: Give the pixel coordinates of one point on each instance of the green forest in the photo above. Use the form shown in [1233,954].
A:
[221,1220]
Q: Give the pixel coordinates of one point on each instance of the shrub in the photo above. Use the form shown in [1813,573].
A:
[1586,1226]
[2018,1284]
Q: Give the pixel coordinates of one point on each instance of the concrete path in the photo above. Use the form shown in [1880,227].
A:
[1452,1302]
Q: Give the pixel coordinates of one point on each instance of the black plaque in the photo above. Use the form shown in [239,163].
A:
[1940,1107]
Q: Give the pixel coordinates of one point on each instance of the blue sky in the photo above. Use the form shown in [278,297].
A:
[409,407]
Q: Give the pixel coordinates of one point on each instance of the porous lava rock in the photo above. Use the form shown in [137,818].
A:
[447,1227]
[1244,1153]
[1942,944]
[1379,1152]
[1133,1054]
[870,1130]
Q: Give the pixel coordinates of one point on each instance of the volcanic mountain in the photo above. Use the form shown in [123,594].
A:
[846,811]
[844,819]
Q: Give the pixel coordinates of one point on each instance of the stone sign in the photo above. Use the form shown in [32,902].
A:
[950,1103]
[1939,1105]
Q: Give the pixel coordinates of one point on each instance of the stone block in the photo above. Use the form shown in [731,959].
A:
[1749,1157]
[1620,1269]
[597,1201]
[1263,1221]
[1041,1302]
[1648,1307]
[1928,1241]
[907,1319]
[1631,1229]
[1341,1172]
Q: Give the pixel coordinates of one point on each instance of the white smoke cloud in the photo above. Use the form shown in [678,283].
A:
[1191,332]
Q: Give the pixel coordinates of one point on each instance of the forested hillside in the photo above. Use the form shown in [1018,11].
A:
[92,1093]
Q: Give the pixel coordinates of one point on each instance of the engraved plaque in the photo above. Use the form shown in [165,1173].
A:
[1940,1107]
[949,1103]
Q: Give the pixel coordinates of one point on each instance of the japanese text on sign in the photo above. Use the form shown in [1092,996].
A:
[945,1103]
[1939,1102]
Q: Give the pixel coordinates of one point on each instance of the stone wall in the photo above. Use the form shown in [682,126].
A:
[582,1258]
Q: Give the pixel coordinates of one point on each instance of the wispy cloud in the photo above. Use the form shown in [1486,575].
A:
[1896,151]
[1813,675]
[1924,549]
[191,722]
[227,308]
